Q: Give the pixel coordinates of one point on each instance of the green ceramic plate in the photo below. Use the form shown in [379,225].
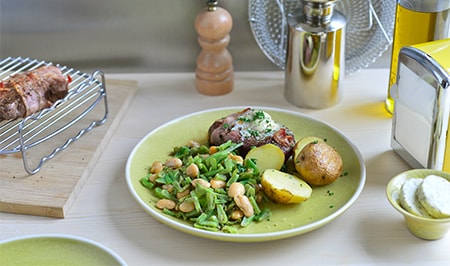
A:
[325,204]
[55,250]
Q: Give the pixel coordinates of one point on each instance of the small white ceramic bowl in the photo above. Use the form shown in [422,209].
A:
[421,227]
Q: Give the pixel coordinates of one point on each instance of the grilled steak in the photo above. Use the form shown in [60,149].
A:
[26,93]
[252,127]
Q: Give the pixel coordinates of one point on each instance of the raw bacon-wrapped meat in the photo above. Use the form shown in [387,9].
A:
[26,93]
[253,128]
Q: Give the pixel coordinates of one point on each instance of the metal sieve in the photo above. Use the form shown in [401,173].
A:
[370,26]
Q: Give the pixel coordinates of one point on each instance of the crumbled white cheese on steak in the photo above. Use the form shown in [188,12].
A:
[257,124]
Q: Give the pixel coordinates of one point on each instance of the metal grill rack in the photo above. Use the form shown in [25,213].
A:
[85,93]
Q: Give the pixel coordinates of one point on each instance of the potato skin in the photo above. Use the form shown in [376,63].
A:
[298,147]
[319,164]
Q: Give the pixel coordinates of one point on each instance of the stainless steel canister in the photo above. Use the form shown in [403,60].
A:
[315,55]
[421,118]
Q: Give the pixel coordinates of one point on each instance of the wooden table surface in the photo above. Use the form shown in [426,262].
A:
[369,232]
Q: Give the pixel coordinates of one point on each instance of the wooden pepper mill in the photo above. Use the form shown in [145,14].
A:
[214,73]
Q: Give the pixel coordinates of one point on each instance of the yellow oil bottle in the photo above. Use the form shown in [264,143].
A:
[416,21]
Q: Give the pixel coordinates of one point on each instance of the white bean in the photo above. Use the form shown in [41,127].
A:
[216,183]
[156,167]
[174,163]
[201,182]
[235,189]
[244,204]
[236,215]
[192,170]
[165,204]
[193,144]
[238,159]
[187,206]
[169,188]
[183,193]
[153,178]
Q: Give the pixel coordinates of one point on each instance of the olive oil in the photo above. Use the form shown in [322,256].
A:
[446,167]
[411,27]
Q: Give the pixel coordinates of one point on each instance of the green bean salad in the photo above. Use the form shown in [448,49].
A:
[212,187]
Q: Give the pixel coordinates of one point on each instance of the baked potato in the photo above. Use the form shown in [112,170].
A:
[284,188]
[318,163]
[267,156]
[298,147]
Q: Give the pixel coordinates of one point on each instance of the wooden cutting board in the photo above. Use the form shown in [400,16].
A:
[52,191]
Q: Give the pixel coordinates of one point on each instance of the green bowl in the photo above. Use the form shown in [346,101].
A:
[56,249]
[326,202]
[421,227]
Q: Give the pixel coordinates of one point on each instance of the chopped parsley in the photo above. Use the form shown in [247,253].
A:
[244,119]
[259,115]
[344,174]
[254,133]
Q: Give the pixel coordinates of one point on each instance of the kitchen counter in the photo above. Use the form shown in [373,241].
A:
[369,232]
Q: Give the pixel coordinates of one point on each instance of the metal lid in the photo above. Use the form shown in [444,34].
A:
[425,6]
[431,63]
[317,12]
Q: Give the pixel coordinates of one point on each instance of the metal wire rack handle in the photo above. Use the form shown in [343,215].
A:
[371,16]
[102,96]
[283,39]
[375,15]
